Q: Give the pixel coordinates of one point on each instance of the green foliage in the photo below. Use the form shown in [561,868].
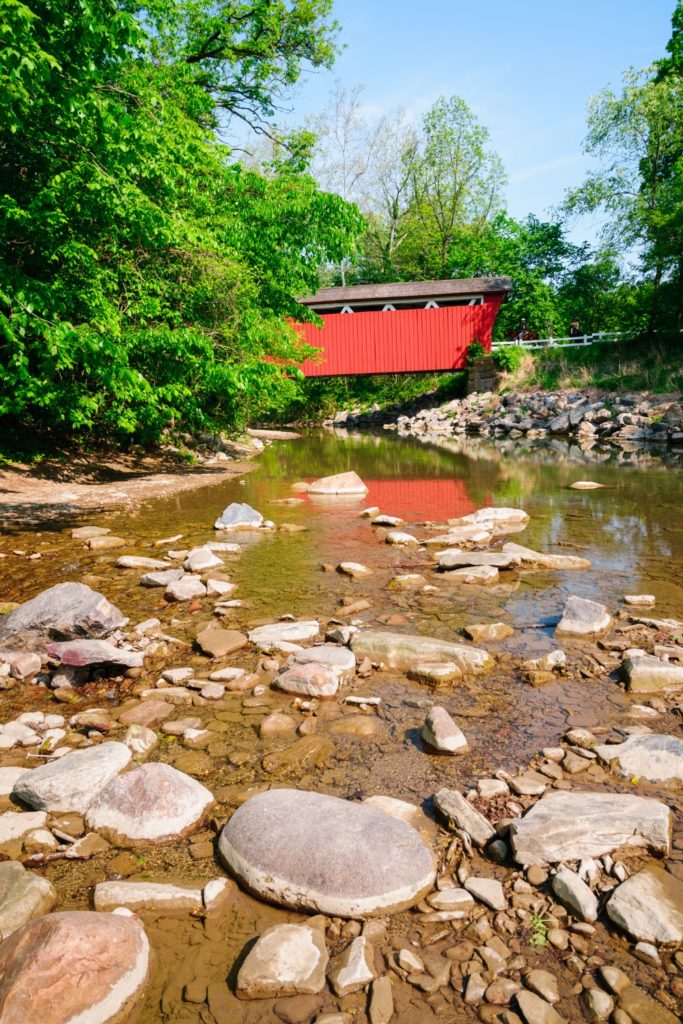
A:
[509,359]
[145,277]
[637,138]
[474,351]
[539,930]
[639,365]
[320,397]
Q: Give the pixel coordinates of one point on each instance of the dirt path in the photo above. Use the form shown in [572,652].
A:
[35,494]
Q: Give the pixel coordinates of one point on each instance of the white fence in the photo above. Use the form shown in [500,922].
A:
[585,339]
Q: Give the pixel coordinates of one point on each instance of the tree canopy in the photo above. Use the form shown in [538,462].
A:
[146,277]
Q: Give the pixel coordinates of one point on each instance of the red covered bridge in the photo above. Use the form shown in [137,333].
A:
[410,327]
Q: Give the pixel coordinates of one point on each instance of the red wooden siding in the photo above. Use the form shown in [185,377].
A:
[402,341]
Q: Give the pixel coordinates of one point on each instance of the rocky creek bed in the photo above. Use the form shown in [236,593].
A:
[401,745]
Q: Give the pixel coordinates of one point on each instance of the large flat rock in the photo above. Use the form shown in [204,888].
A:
[309,851]
[340,660]
[655,757]
[23,896]
[406,651]
[498,520]
[340,483]
[159,896]
[455,558]
[93,652]
[649,906]
[646,674]
[152,803]
[565,826]
[271,636]
[64,612]
[72,782]
[77,967]
[531,559]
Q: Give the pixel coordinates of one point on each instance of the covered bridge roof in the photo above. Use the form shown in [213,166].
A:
[409,290]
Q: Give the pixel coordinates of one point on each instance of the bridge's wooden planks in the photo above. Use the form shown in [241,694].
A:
[402,341]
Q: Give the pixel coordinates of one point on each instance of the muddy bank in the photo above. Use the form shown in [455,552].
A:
[89,483]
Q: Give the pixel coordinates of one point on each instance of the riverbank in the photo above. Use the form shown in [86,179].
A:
[588,416]
[329,654]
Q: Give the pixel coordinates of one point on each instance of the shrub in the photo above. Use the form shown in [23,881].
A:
[509,359]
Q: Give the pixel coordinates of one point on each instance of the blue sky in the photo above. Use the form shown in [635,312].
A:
[525,67]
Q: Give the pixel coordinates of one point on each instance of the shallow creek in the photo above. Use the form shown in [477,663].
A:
[631,530]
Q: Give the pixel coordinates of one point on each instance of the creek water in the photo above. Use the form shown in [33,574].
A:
[630,529]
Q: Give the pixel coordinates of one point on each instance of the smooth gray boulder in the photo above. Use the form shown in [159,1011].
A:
[405,651]
[152,803]
[340,483]
[310,851]
[23,896]
[64,612]
[655,757]
[570,826]
[80,653]
[455,808]
[649,906]
[287,960]
[72,782]
[239,516]
[581,617]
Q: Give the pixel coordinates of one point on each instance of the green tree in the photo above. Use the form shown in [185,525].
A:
[145,277]
[638,138]
[456,183]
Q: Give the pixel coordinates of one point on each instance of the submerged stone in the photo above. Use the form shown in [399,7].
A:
[405,651]
[310,851]
[530,559]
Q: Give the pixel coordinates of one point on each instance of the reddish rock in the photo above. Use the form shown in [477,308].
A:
[74,966]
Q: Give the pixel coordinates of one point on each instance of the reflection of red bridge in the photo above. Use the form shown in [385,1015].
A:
[410,327]
[433,498]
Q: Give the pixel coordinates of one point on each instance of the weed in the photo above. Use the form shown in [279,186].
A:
[539,930]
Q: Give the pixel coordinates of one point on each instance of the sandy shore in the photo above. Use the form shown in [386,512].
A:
[33,494]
